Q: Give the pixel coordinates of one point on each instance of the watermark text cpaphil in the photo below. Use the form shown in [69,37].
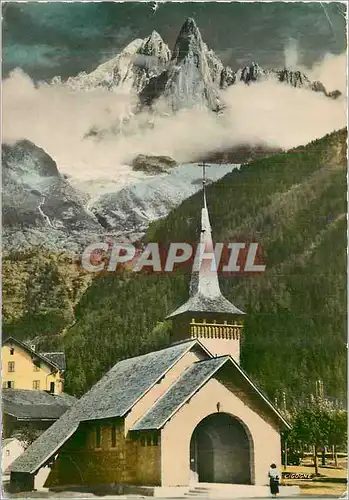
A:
[223,258]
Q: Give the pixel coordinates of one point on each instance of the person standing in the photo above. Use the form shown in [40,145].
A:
[274,479]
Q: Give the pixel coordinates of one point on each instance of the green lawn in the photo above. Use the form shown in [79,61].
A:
[319,487]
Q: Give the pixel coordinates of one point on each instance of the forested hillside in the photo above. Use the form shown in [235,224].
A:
[294,206]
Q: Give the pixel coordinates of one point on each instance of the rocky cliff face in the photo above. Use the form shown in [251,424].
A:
[37,200]
[251,73]
[192,76]
[131,70]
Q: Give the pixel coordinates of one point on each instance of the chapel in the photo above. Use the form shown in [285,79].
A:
[183,415]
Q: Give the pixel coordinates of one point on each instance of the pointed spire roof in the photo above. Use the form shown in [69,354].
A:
[205,293]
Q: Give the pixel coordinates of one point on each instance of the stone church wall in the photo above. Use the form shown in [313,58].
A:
[133,460]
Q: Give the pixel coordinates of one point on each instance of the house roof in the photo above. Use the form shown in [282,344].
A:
[35,405]
[187,385]
[48,443]
[7,441]
[58,358]
[113,396]
[205,293]
[51,362]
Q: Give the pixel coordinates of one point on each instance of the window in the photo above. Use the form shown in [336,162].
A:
[36,384]
[11,366]
[7,453]
[9,384]
[12,351]
[150,439]
[98,437]
[36,366]
[113,436]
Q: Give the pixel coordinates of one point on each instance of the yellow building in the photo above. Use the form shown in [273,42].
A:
[24,368]
[32,388]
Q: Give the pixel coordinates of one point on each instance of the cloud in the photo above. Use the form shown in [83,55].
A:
[268,113]
[291,54]
[332,72]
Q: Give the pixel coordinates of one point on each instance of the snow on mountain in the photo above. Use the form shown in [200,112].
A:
[41,207]
[130,210]
[130,70]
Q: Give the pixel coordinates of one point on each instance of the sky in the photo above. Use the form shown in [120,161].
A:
[62,39]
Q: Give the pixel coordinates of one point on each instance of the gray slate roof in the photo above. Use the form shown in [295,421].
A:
[58,358]
[202,303]
[205,292]
[35,354]
[47,443]
[7,441]
[113,396]
[188,383]
[35,405]
[116,393]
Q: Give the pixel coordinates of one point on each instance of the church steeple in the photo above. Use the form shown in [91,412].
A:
[208,315]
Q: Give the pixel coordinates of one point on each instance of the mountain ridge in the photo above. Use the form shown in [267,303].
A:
[189,75]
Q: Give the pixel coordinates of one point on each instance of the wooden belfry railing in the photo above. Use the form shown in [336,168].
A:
[214,330]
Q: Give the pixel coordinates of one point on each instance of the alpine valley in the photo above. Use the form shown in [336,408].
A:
[292,200]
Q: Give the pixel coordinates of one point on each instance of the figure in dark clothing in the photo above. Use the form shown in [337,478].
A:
[274,479]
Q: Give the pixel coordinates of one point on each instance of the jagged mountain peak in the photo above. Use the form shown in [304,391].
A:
[189,41]
[132,68]
[154,46]
[294,77]
[251,73]
[189,27]
[155,36]
[191,76]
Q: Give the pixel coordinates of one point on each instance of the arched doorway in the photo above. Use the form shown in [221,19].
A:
[220,451]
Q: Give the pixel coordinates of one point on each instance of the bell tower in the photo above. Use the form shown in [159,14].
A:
[208,315]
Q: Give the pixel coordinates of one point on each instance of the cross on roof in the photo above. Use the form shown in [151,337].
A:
[203,165]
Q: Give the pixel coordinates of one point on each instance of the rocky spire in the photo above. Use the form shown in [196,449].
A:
[189,41]
[252,73]
[188,82]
